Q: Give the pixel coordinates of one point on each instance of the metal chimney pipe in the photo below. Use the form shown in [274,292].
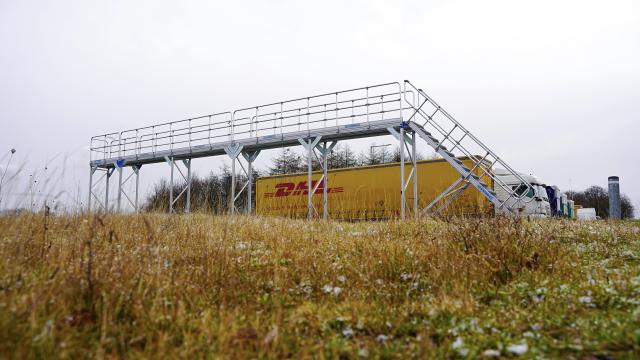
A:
[614,198]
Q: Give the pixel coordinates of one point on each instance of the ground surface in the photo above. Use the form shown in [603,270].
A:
[200,286]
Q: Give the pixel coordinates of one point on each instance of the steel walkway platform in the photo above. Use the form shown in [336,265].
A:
[329,134]
[317,123]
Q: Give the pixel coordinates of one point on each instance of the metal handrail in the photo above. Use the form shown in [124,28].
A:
[463,149]
[207,129]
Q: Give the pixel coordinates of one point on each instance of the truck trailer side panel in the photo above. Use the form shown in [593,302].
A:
[370,192]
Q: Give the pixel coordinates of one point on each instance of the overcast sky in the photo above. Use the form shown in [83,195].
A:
[552,86]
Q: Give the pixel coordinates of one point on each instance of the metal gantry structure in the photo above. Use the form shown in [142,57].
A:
[317,123]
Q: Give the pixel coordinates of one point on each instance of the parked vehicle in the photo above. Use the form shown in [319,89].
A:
[586,214]
[555,197]
[539,207]
[372,192]
[564,205]
[571,209]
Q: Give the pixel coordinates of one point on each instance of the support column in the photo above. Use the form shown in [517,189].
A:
[106,192]
[325,212]
[233,151]
[414,162]
[324,153]
[187,164]
[92,195]
[404,139]
[119,188]
[91,172]
[309,145]
[122,181]
[250,157]
[187,188]
[172,165]
[309,181]
[402,195]
[136,169]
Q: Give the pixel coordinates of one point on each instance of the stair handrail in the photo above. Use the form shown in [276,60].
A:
[523,198]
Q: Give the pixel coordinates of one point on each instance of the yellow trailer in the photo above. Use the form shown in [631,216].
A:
[368,192]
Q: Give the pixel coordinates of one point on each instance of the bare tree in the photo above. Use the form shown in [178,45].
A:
[598,198]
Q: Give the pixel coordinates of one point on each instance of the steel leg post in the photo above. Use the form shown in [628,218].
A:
[415,174]
[250,157]
[106,192]
[402,197]
[325,212]
[232,204]
[309,145]
[172,164]
[91,172]
[233,151]
[120,169]
[309,184]
[250,190]
[187,164]
[137,171]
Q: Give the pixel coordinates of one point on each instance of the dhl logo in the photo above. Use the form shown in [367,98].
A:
[291,189]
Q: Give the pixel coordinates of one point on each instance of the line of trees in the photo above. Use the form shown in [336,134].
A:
[598,198]
[211,193]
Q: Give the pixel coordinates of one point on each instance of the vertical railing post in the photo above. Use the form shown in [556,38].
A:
[337,121]
[209,132]
[308,128]
[154,140]
[367,106]
[255,124]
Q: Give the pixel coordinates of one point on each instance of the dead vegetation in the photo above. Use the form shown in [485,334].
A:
[194,286]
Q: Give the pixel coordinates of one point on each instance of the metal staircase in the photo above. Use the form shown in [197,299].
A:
[316,122]
[427,114]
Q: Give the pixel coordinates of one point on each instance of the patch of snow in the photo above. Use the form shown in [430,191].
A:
[519,348]
[381,338]
[585,299]
[348,332]
[491,353]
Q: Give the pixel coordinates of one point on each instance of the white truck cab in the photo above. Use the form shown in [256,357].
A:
[536,206]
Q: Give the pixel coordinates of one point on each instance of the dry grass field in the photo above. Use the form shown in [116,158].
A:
[159,286]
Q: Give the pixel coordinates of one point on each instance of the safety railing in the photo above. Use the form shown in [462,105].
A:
[458,140]
[359,105]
